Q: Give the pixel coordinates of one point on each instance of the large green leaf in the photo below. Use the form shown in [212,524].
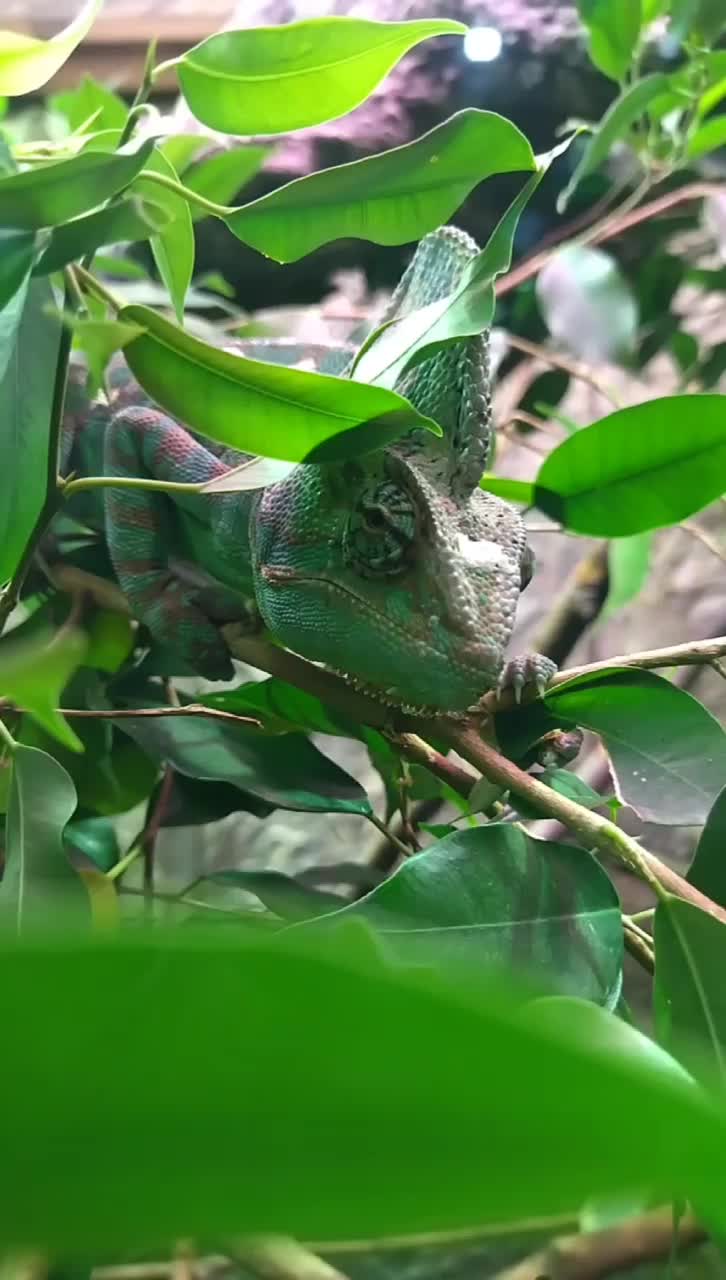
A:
[690,993]
[11,315]
[127,219]
[90,101]
[281,894]
[51,195]
[649,465]
[616,122]
[708,869]
[17,249]
[389,198]
[493,896]
[309,1085]
[258,407]
[38,883]
[282,708]
[467,310]
[668,752]
[587,304]
[173,245]
[26,396]
[613,27]
[287,772]
[274,79]
[704,18]
[26,63]
[628,565]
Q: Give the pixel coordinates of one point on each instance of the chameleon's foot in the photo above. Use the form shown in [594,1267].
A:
[527,669]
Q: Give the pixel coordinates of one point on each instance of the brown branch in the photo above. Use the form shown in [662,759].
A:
[576,368]
[596,1254]
[696,653]
[156,713]
[613,226]
[595,831]
[635,942]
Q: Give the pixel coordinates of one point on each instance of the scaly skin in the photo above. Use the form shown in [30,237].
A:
[393,568]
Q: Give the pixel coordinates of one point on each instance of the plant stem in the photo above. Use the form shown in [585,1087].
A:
[128,482]
[402,848]
[6,736]
[192,197]
[94,286]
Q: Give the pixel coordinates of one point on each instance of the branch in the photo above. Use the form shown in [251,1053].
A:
[150,713]
[596,1254]
[697,653]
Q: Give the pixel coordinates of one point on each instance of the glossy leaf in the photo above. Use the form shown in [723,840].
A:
[708,869]
[281,894]
[522,491]
[173,245]
[613,27]
[667,750]
[587,304]
[34,673]
[38,881]
[466,311]
[709,135]
[352,1029]
[127,219]
[11,315]
[281,707]
[690,995]
[492,896]
[90,100]
[221,177]
[289,773]
[616,122]
[27,368]
[628,566]
[17,250]
[390,198]
[705,19]
[96,840]
[55,193]
[258,407]
[274,79]
[26,63]
[641,468]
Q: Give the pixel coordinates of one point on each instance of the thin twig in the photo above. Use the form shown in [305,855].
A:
[576,368]
[156,713]
[695,653]
[403,849]
[704,538]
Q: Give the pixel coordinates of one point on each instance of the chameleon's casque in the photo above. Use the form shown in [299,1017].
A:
[394,568]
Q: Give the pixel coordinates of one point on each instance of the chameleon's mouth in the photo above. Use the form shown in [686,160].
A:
[466,659]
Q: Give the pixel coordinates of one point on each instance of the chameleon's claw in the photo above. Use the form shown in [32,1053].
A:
[527,669]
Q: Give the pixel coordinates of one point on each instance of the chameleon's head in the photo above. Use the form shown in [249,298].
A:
[396,568]
[372,570]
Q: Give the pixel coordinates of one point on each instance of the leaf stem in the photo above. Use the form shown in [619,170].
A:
[94,286]
[192,197]
[6,736]
[128,482]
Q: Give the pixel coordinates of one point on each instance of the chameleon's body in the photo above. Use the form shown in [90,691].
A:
[394,567]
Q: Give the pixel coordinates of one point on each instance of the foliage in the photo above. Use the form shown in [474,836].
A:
[381,1030]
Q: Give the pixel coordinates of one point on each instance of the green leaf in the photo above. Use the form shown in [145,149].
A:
[708,869]
[219,178]
[34,673]
[616,122]
[587,304]
[55,193]
[468,310]
[628,565]
[17,249]
[173,245]
[492,896]
[312,1061]
[690,995]
[289,772]
[258,407]
[707,137]
[704,18]
[111,638]
[90,99]
[668,752]
[98,340]
[284,895]
[565,783]
[282,708]
[38,881]
[613,28]
[127,219]
[274,79]
[641,468]
[26,63]
[27,370]
[96,840]
[390,198]
[522,491]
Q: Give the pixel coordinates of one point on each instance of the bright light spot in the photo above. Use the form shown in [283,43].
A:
[482,44]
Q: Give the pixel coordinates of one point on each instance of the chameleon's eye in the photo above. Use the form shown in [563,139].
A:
[380,531]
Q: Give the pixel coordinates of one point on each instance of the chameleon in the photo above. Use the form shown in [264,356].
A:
[393,568]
